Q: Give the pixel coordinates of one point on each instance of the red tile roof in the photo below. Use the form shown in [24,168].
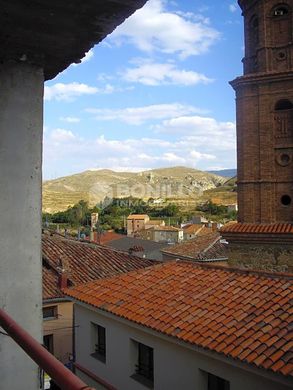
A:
[202,248]
[137,216]
[83,262]
[244,315]
[106,237]
[192,229]
[274,228]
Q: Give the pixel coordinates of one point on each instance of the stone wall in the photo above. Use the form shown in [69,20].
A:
[273,258]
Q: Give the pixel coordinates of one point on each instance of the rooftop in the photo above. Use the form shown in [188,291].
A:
[192,229]
[152,249]
[137,216]
[54,34]
[243,315]
[273,228]
[164,228]
[82,262]
[204,247]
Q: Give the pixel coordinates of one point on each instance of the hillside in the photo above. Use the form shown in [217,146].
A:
[225,172]
[177,183]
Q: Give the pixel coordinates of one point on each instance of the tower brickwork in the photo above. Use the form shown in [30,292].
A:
[263,236]
[264,104]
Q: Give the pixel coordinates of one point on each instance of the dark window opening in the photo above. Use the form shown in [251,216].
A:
[49,312]
[48,343]
[281,11]
[217,383]
[285,158]
[144,369]
[99,342]
[286,200]
[283,104]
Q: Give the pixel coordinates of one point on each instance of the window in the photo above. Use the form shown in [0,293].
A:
[286,200]
[283,104]
[99,342]
[48,343]
[144,367]
[213,382]
[281,11]
[50,312]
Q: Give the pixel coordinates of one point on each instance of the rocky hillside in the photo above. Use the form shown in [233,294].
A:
[94,186]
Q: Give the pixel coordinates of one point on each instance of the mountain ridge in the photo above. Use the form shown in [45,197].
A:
[95,185]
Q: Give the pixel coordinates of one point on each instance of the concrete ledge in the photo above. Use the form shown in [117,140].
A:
[53,34]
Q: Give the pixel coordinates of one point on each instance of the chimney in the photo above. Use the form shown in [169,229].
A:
[62,280]
[62,274]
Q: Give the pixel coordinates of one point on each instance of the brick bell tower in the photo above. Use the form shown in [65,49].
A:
[264,106]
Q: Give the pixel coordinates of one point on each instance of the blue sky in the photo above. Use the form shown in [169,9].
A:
[153,94]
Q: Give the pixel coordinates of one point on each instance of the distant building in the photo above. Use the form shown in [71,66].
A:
[169,234]
[143,248]
[136,222]
[232,207]
[181,325]
[191,231]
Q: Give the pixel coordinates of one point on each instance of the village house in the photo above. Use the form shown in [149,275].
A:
[138,222]
[168,234]
[182,325]
[67,262]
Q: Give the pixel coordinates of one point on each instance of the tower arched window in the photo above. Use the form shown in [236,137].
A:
[281,24]
[280,10]
[283,104]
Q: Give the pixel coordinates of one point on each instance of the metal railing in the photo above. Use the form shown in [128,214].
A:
[61,375]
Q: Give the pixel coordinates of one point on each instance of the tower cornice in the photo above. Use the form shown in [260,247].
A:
[258,78]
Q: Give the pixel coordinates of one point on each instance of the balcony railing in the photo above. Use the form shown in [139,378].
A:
[63,377]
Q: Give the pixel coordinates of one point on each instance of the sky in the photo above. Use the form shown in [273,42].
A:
[155,93]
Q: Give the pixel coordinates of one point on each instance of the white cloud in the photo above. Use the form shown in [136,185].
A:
[140,115]
[195,142]
[70,91]
[88,56]
[70,119]
[62,135]
[196,125]
[153,28]
[233,7]
[151,73]
[67,92]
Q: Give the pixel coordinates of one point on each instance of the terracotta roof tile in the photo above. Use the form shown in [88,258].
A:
[203,305]
[83,262]
[279,228]
[205,247]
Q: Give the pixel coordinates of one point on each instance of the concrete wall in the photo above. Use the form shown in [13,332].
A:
[21,125]
[61,329]
[175,367]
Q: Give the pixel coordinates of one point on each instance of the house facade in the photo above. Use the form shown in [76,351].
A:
[136,222]
[195,328]
[168,234]
[175,366]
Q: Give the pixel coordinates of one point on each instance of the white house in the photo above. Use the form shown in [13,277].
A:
[180,325]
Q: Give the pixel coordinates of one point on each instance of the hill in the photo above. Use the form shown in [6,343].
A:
[176,183]
[225,172]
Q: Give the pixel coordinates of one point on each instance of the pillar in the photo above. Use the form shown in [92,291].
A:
[21,124]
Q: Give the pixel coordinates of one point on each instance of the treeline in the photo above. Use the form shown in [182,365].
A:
[113,214]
